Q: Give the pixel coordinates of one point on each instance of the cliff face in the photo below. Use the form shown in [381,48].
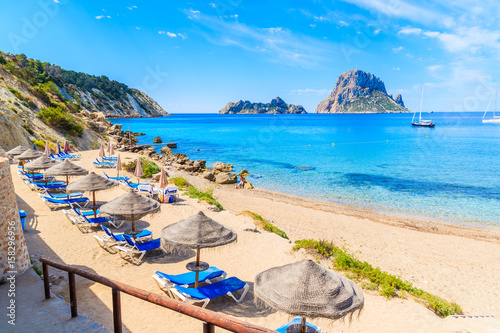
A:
[360,92]
[276,106]
[40,101]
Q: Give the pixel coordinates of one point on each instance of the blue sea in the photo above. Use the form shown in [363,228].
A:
[379,161]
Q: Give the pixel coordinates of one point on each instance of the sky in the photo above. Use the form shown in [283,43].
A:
[196,56]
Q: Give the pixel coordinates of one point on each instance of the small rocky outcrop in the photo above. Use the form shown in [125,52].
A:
[244,172]
[208,175]
[157,140]
[276,106]
[360,92]
[221,167]
[166,150]
[226,178]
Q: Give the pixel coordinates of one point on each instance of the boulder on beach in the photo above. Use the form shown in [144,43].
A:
[226,178]
[157,140]
[244,172]
[166,150]
[221,167]
[248,185]
[208,175]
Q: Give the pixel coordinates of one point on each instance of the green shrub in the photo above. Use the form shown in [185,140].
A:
[207,196]
[2,60]
[149,167]
[25,104]
[27,128]
[35,268]
[50,87]
[265,224]
[387,284]
[56,117]
[180,182]
[15,92]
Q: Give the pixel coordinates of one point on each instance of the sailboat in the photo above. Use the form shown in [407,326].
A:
[421,122]
[495,119]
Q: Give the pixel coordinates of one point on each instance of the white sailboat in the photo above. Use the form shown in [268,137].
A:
[495,119]
[421,122]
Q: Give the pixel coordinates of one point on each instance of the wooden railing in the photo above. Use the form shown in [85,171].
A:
[209,318]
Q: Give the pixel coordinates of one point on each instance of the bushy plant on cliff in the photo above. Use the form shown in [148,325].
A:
[56,117]
[265,224]
[149,167]
[2,60]
[387,284]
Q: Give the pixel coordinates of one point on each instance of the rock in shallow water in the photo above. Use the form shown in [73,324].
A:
[226,178]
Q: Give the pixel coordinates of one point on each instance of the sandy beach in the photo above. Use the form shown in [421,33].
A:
[457,263]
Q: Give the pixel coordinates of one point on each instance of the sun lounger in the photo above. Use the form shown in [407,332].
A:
[167,281]
[42,187]
[109,239]
[67,155]
[131,248]
[298,321]
[87,220]
[63,195]
[100,164]
[56,203]
[109,159]
[172,191]
[36,176]
[206,293]
[71,212]
[147,190]
[116,178]
[128,186]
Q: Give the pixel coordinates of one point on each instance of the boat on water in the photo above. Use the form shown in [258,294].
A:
[421,122]
[495,119]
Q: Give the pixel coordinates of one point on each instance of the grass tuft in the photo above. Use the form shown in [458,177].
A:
[370,278]
[265,224]
[194,193]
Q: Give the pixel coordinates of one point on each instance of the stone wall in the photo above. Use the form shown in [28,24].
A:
[14,256]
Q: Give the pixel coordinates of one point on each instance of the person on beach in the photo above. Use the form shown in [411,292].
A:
[241,183]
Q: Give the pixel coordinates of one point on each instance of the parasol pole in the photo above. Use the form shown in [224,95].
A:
[67,183]
[93,197]
[197,265]
[303,325]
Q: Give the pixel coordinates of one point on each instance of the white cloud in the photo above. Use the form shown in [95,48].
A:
[132,7]
[138,28]
[171,34]
[396,68]
[468,39]
[213,5]
[309,91]
[410,31]
[397,49]
[434,68]
[102,16]
[343,23]
[56,1]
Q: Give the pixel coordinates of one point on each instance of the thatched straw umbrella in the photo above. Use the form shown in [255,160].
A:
[92,183]
[197,232]
[307,289]
[118,166]
[66,168]
[41,163]
[29,154]
[131,207]
[138,170]
[17,151]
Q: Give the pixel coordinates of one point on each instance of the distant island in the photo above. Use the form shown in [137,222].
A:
[360,92]
[276,106]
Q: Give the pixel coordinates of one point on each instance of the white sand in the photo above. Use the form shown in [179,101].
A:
[458,264]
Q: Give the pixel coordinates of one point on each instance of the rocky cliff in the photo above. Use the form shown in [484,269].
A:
[276,106]
[40,101]
[360,92]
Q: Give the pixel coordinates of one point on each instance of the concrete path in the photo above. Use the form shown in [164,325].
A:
[33,313]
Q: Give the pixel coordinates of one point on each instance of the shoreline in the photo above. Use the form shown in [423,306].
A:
[485,233]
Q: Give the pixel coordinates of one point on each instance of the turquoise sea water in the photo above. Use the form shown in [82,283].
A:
[379,161]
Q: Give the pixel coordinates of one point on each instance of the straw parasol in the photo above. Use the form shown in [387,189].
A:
[66,168]
[101,151]
[29,154]
[307,289]
[92,183]
[66,147]
[197,232]
[41,163]
[111,150]
[118,166]
[47,148]
[17,151]
[131,207]
[138,170]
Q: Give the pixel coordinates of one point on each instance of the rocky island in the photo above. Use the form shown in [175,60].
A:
[276,106]
[360,92]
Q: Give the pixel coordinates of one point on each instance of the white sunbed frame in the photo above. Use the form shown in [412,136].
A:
[190,300]
[53,205]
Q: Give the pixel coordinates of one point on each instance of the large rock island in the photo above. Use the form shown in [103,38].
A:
[360,92]
[276,106]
